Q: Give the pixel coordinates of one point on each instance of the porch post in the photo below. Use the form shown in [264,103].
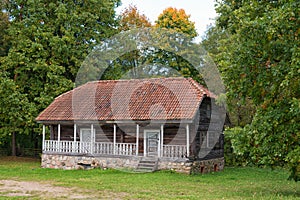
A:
[207,139]
[43,144]
[137,140]
[75,130]
[92,138]
[187,140]
[74,144]
[145,143]
[115,135]
[58,137]
[162,140]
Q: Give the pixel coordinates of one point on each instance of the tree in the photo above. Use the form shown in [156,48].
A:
[131,18]
[155,61]
[15,112]
[261,63]
[177,20]
[4,24]
[51,39]
[241,110]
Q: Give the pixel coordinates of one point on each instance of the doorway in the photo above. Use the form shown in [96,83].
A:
[151,143]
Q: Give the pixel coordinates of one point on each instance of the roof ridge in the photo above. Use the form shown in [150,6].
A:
[129,80]
[138,79]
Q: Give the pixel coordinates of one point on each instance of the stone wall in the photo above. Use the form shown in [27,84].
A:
[207,166]
[192,167]
[84,162]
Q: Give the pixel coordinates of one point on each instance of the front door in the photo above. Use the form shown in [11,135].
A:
[86,139]
[151,142]
[85,135]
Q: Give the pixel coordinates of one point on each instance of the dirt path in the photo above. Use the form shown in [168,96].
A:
[30,189]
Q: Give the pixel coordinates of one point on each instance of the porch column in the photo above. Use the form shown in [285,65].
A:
[207,139]
[74,134]
[115,137]
[162,141]
[75,130]
[92,138]
[137,140]
[187,140]
[43,144]
[58,137]
[145,143]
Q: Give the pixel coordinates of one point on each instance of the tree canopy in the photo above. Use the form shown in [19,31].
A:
[131,18]
[178,20]
[50,41]
[155,62]
[259,60]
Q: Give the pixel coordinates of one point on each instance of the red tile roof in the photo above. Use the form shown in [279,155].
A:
[135,99]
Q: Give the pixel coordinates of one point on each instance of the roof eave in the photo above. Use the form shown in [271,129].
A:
[51,122]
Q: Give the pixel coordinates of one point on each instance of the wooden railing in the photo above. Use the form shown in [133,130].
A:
[108,148]
[104,148]
[127,149]
[86,148]
[174,151]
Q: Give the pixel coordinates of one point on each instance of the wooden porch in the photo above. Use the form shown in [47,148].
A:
[153,142]
[107,148]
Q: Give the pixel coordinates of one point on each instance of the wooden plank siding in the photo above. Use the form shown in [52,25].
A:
[206,123]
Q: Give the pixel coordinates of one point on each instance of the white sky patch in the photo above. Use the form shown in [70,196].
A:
[202,12]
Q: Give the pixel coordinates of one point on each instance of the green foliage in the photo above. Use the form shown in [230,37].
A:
[240,109]
[15,110]
[177,22]
[50,41]
[4,38]
[259,60]
[235,148]
[159,60]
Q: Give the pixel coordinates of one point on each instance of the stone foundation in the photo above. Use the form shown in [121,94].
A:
[67,162]
[81,162]
[193,167]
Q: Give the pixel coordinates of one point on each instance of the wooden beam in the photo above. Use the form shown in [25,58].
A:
[44,133]
[92,138]
[115,136]
[187,140]
[58,132]
[162,140]
[137,140]
[69,122]
[58,137]
[74,134]
[207,139]
[145,143]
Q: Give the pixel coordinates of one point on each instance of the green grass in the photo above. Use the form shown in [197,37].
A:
[232,183]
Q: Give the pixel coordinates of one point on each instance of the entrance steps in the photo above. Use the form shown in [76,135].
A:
[147,164]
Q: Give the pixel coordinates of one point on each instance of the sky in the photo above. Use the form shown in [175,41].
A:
[202,11]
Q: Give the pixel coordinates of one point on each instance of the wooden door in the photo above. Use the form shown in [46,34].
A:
[152,142]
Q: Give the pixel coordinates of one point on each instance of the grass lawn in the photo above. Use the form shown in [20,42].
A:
[232,183]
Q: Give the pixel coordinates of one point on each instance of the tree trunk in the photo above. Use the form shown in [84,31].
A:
[13,145]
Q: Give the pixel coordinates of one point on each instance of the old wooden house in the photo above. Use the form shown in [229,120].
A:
[142,124]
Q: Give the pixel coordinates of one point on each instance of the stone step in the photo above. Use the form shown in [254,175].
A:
[146,165]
